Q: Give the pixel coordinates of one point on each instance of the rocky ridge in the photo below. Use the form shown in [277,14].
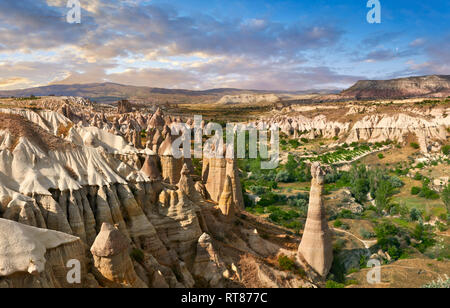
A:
[350,122]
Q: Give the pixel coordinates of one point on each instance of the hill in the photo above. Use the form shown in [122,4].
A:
[434,85]
[112,92]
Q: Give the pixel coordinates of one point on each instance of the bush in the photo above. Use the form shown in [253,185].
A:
[288,264]
[441,227]
[285,263]
[284,177]
[415,214]
[380,156]
[396,182]
[337,223]
[446,149]
[428,193]
[415,190]
[331,284]
[257,190]
[415,145]
[418,176]
[424,238]
[395,252]
[420,166]
[137,255]
[365,234]
[294,143]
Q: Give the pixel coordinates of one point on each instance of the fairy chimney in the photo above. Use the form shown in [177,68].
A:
[316,246]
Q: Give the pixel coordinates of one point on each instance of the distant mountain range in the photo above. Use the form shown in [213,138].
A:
[434,85]
[111,92]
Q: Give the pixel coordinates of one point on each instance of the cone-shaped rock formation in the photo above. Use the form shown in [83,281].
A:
[316,247]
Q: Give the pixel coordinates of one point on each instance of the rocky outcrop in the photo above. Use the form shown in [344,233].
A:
[171,166]
[157,120]
[38,258]
[113,265]
[150,168]
[187,186]
[316,246]
[207,266]
[248,99]
[226,201]
[124,106]
[215,173]
[368,122]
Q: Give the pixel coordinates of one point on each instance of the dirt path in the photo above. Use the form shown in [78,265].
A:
[367,244]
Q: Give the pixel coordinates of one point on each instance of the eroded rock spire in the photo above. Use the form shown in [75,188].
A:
[316,246]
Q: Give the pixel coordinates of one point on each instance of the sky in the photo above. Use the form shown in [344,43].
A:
[287,45]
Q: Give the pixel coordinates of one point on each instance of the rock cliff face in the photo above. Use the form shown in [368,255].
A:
[247,99]
[86,188]
[368,122]
[316,245]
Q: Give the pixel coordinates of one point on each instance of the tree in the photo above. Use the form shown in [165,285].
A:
[415,214]
[446,197]
[383,194]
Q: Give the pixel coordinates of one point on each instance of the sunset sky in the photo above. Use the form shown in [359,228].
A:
[202,44]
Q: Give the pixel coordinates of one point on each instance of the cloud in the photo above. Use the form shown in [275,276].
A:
[11,82]
[438,61]
[380,39]
[417,42]
[387,55]
[114,35]
[142,43]
[235,72]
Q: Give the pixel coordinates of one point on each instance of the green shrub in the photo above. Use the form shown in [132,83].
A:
[380,156]
[351,282]
[441,227]
[331,284]
[428,193]
[137,255]
[415,190]
[294,143]
[365,234]
[418,176]
[415,145]
[446,149]
[420,165]
[415,214]
[257,190]
[337,223]
[285,263]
